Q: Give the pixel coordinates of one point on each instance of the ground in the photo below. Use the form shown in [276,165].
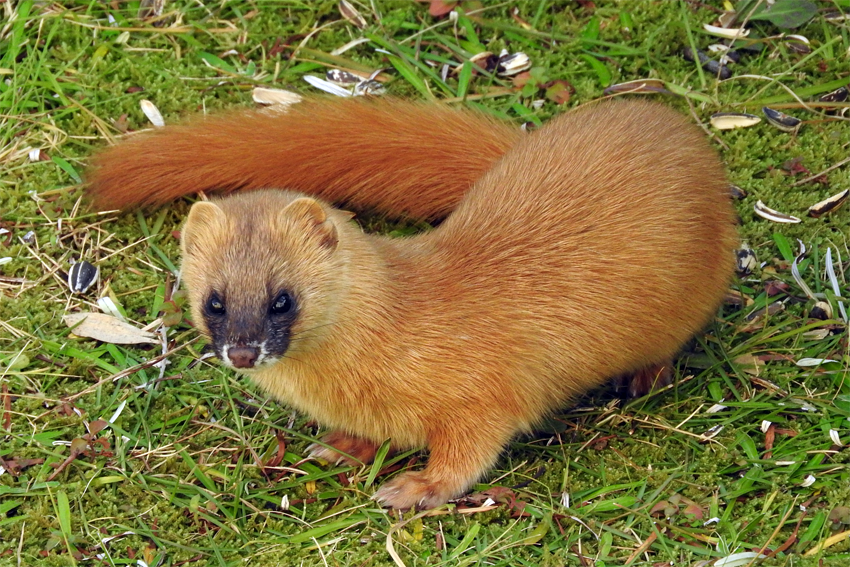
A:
[108,459]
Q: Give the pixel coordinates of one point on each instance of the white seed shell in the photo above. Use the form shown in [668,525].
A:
[514,64]
[829,205]
[152,112]
[810,362]
[351,14]
[369,88]
[728,33]
[746,261]
[267,96]
[326,86]
[108,306]
[718,48]
[764,211]
[731,120]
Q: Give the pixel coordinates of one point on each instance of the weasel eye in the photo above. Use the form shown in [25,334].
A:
[215,305]
[282,304]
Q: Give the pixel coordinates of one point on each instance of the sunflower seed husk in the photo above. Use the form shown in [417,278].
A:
[369,88]
[150,9]
[730,120]
[108,306]
[639,86]
[783,121]
[838,95]
[351,14]
[351,44]
[745,260]
[821,310]
[327,86]
[342,78]
[152,112]
[485,60]
[829,205]
[816,334]
[513,64]
[833,280]
[29,238]
[719,48]
[764,211]
[795,271]
[264,95]
[728,33]
[798,43]
[82,276]
[736,192]
[444,72]
[836,16]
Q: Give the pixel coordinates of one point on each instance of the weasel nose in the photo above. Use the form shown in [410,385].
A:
[243,357]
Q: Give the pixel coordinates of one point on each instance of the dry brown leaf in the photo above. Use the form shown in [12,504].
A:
[108,329]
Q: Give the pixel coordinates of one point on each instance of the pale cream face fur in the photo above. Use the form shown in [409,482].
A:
[249,249]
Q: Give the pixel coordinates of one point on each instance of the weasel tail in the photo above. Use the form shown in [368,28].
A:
[402,158]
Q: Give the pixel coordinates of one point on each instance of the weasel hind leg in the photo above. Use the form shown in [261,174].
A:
[646,380]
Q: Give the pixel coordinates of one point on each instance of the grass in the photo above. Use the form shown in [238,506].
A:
[109,457]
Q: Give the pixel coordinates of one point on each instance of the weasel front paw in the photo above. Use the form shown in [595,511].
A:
[348,449]
[412,490]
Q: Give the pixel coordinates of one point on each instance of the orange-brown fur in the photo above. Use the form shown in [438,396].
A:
[595,247]
[393,156]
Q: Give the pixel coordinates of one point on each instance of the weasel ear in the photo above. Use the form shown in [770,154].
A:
[204,218]
[308,214]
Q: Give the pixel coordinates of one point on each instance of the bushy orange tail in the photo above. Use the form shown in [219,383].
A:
[401,158]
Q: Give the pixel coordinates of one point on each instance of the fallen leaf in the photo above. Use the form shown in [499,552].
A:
[106,328]
[440,8]
[559,91]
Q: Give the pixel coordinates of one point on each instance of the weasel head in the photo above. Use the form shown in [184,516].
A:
[263,273]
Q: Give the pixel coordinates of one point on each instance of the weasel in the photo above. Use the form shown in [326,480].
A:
[590,248]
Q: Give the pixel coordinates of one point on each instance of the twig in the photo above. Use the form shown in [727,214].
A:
[825,171]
